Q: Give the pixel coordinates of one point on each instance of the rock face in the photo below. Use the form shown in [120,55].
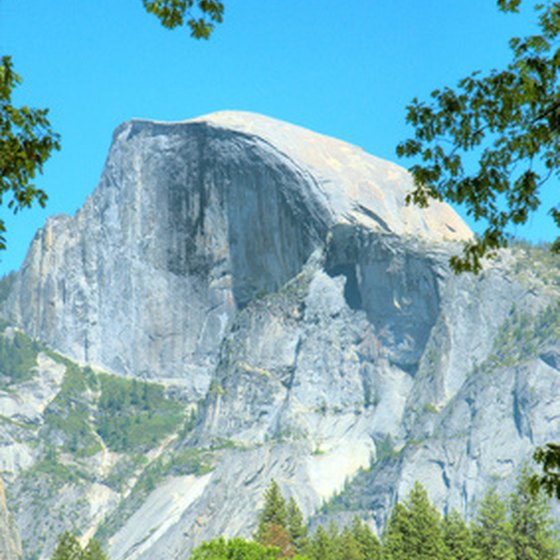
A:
[275,280]
[189,223]
[10,544]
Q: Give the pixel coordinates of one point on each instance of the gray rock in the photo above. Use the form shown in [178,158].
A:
[10,543]
[191,221]
[277,277]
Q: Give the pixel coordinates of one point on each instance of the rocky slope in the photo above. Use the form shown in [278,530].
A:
[305,326]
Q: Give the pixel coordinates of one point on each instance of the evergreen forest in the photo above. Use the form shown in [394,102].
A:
[518,527]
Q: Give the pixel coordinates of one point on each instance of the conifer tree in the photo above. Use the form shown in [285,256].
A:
[93,551]
[278,537]
[492,531]
[296,527]
[274,511]
[322,546]
[272,528]
[458,538]
[348,547]
[414,530]
[333,532]
[369,544]
[398,528]
[533,537]
[67,548]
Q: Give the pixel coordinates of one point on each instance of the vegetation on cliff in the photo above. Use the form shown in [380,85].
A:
[519,528]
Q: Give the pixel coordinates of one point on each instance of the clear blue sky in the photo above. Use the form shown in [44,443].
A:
[346,69]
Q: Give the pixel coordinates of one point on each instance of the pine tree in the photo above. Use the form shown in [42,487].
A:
[322,547]
[458,538]
[272,528]
[347,547]
[533,537]
[93,551]
[492,531]
[334,537]
[414,530]
[368,542]
[67,548]
[274,511]
[296,527]
[396,533]
[278,537]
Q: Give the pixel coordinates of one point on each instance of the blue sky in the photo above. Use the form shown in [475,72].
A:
[343,69]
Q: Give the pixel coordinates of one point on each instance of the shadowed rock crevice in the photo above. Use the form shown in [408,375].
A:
[395,284]
[351,288]
[551,359]
[271,228]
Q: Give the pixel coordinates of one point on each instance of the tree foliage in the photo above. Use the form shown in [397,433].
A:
[458,538]
[517,529]
[26,142]
[533,535]
[296,527]
[68,548]
[492,530]
[199,15]
[510,119]
[18,355]
[368,543]
[280,524]
[549,481]
[274,515]
[27,138]
[94,551]
[348,546]
[234,549]
[134,414]
[414,530]
[322,545]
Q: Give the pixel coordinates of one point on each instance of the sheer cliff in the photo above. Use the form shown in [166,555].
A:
[303,323]
[189,222]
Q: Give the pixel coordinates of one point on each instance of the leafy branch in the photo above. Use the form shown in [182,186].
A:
[176,13]
[26,142]
[511,120]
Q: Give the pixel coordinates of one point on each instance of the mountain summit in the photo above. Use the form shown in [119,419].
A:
[351,185]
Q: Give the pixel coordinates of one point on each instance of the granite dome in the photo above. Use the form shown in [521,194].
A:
[300,314]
